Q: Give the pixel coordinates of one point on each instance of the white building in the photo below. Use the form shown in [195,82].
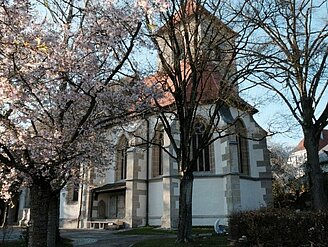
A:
[323,159]
[298,156]
[143,188]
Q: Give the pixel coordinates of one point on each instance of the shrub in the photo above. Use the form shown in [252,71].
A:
[280,227]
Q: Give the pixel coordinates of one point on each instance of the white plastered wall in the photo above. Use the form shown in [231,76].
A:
[209,202]
[251,194]
[68,213]
[155,202]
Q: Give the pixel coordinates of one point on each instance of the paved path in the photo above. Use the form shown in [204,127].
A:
[11,233]
[88,237]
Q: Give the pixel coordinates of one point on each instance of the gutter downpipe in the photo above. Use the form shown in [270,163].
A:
[147,174]
[81,192]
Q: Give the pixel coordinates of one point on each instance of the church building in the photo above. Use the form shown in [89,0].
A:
[141,185]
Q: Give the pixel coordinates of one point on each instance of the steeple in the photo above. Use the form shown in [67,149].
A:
[194,27]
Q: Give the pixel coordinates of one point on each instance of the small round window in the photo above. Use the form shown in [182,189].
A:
[199,128]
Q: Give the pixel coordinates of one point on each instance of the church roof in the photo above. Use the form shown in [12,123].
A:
[210,89]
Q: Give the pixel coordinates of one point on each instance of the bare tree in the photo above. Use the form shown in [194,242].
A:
[196,85]
[289,50]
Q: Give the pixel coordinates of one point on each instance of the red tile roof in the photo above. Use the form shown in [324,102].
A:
[210,89]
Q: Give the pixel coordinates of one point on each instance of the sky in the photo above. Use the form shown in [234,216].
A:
[272,112]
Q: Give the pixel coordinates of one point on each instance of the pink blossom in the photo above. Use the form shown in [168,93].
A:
[57,85]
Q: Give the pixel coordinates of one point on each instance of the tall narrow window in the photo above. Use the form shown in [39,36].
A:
[202,156]
[75,194]
[121,158]
[243,159]
[157,153]
[72,193]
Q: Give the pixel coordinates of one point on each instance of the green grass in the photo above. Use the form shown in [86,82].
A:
[147,231]
[203,230]
[203,236]
[218,241]
[161,231]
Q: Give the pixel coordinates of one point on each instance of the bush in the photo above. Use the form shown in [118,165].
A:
[280,227]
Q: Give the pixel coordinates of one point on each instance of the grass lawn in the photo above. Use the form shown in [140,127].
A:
[147,231]
[202,237]
[220,241]
[160,231]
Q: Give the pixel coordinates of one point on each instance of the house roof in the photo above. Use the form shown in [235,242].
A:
[323,157]
[322,142]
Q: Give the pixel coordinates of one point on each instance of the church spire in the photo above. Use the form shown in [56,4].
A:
[202,32]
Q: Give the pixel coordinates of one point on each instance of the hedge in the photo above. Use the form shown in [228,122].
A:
[280,227]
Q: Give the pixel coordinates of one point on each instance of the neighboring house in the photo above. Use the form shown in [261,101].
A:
[232,174]
[298,156]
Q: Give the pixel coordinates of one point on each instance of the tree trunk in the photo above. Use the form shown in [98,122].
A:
[311,144]
[185,208]
[53,236]
[40,198]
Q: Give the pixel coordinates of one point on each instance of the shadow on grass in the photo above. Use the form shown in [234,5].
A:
[218,241]
[147,231]
[202,236]
[161,231]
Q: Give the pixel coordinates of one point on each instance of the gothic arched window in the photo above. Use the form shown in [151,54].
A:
[121,158]
[243,156]
[157,153]
[203,156]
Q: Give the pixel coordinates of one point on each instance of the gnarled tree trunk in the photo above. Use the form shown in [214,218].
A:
[185,208]
[40,198]
[53,236]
